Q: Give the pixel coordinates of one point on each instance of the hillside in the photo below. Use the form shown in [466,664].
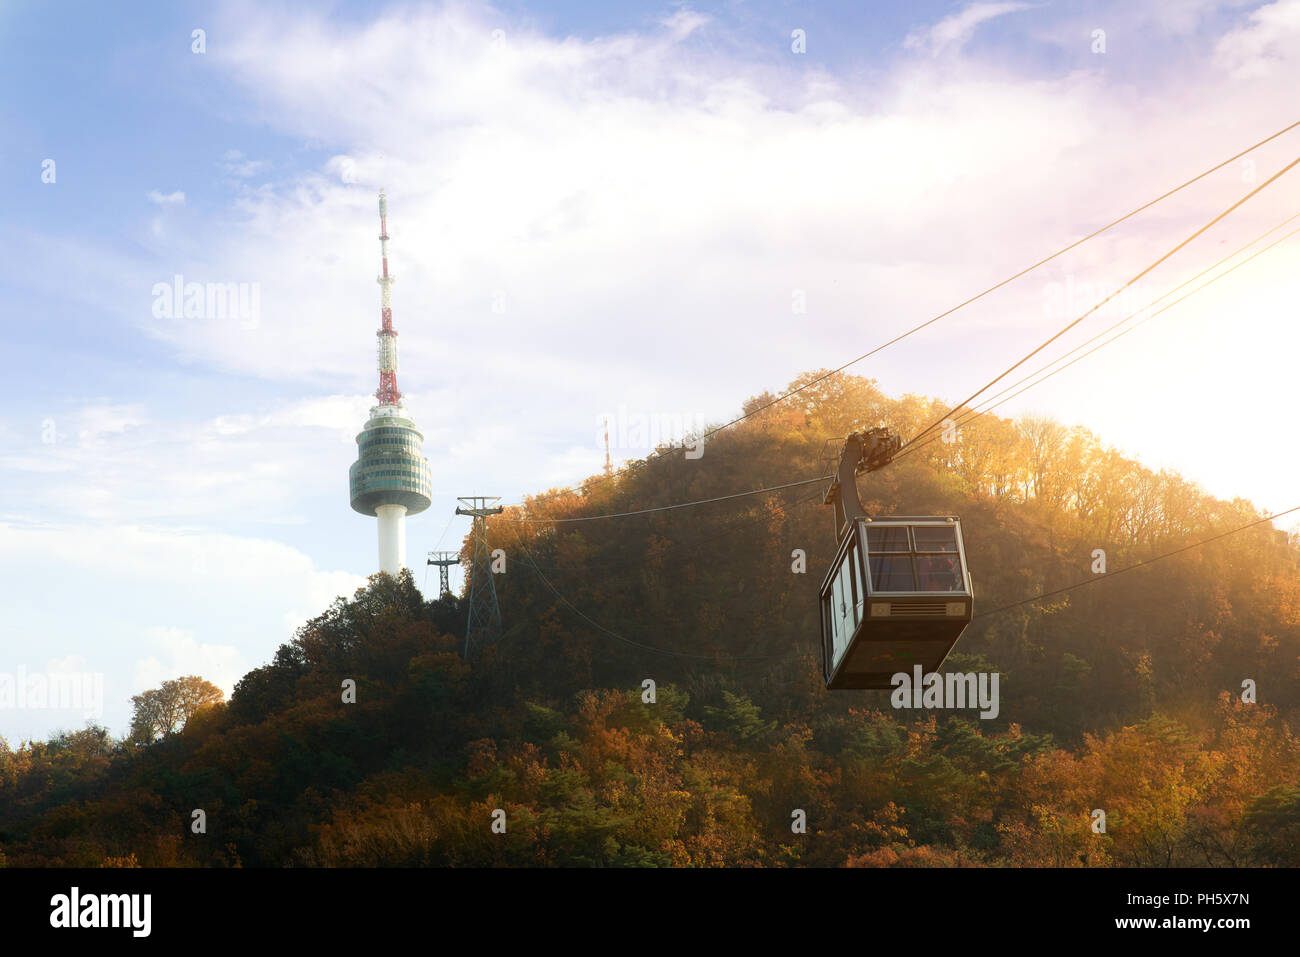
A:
[1123,696]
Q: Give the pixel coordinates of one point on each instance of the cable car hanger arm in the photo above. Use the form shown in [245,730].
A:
[863,452]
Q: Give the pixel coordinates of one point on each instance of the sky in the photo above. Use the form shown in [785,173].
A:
[642,211]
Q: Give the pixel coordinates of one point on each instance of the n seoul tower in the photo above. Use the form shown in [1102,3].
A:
[391,477]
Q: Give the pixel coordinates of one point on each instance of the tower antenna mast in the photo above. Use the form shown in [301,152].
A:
[609,467]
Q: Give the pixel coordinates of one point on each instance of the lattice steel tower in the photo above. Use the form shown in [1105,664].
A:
[391,477]
[444,561]
[484,622]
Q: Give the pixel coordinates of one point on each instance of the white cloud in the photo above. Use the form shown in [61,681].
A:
[599,191]
[1179,18]
[236,164]
[952,32]
[70,664]
[114,463]
[1268,46]
[183,654]
[167,199]
[161,556]
[682,23]
[152,603]
[94,422]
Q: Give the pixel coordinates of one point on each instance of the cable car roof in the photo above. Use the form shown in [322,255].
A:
[909,519]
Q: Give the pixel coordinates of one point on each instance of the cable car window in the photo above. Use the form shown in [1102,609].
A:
[938,573]
[888,538]
[935,538]
[859,582]
[892,573]
[842,609]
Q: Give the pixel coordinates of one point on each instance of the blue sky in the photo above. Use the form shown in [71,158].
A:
[595,209]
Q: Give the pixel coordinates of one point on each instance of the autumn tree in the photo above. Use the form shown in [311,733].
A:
[166,709]
[1046,442]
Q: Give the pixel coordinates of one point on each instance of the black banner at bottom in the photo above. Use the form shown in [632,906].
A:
[333,907]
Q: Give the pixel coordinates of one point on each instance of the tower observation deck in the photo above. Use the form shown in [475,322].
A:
[391,478]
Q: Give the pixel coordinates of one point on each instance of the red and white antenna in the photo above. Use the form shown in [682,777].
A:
[387,393]
[608,466]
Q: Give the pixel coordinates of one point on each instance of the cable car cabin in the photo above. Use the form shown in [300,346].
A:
[897,595]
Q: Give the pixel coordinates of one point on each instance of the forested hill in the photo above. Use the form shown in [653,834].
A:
[1125,695]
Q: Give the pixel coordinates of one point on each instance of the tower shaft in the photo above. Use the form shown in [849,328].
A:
[392,537]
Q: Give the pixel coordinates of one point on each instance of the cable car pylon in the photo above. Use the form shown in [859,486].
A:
[898,594]
[483,624]
[444,561]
